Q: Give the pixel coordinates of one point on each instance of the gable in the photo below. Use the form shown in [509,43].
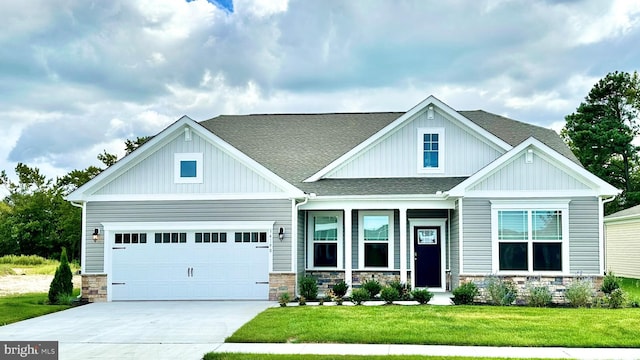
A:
[398,153]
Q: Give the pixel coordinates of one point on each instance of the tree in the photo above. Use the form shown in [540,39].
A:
[62,283]
[602,130]
[131,145]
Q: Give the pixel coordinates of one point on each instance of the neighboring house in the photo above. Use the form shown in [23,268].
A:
[622,239]
[240,207]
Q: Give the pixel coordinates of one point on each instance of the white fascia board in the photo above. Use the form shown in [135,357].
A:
[396,124]
[377,203]
[188,225]
[600,187]
[193,196]
[85,192]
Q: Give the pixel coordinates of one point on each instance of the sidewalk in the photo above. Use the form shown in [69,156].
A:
[433,350]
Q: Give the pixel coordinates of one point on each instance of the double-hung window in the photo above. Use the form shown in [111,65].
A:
[375,232]
[430,150]
[325,240]
[530,238]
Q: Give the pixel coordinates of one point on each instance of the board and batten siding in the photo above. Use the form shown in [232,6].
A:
[454,245]
[278,211]
[476,230]
[397,154]
[222,174]
[622,241]
[520,175]
[584,244]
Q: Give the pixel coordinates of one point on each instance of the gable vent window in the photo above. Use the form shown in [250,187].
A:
[430,146]
[188,168]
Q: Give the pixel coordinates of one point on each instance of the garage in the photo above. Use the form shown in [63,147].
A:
[188,261]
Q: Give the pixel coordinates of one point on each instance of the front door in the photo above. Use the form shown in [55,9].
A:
[427,247]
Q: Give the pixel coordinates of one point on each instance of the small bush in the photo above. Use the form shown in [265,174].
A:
[579,293]
[283,299]
[634,303]
[403,289]
[617,298]
[389,294]
[422,296]
[308,287]
[340,289]
[359,296]
[373,287]
[62,283]
[610,282]
[302,301]
[539,296]
[465,293]
[500,291]
[66,299]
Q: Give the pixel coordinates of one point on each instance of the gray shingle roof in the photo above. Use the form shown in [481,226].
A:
[624,213]
[296,146]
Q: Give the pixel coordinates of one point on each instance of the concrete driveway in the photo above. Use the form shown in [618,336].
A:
[138,330]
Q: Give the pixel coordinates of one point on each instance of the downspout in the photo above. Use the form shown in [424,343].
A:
[83,252]
[294,235]
[601,230]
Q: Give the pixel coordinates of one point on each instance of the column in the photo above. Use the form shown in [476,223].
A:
[403,245]
[348,263]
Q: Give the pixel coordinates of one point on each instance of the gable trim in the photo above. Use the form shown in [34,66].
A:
[398,123]
[601,187]
[86,191]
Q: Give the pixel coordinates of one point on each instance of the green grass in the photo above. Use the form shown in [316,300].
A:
[237,356]
[14,308]
[448,325]
[30,265]
[631,287]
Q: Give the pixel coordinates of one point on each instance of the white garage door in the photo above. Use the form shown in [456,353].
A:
[189,265]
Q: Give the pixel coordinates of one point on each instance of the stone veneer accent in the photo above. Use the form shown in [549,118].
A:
[383,277]
[94,287]
[326,279]
[556,284]
[280,283]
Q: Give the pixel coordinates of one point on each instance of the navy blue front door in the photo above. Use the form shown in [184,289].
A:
[427,257]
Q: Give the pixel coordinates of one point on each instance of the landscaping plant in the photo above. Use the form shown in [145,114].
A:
[422,296]
[465,293]
[340,289]
[62,283]
[617,298]
[389,295]
[539,296]
[359,296]
[610,282]
[373,287]
[309,287]
[404,289]
[283,299]
[500,291]
[579,293]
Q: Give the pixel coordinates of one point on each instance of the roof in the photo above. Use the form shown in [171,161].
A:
[626,213]
[296,146]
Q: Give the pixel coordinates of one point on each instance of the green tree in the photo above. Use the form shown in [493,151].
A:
[62,283]
[602,130]
[132,145]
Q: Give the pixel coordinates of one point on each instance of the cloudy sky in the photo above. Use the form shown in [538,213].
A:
[79,76]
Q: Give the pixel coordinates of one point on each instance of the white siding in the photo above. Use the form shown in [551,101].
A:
[535,176]
[155,174]
[477,236]
[623,248]
[397,154]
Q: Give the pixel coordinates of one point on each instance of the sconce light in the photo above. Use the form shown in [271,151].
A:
[281,234]
[529,157]
[96,235]
[430,112]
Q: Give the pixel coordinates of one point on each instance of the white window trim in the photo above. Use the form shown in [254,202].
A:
[340,242]
[559,205]
[390,261]
[178,157]
[420,150]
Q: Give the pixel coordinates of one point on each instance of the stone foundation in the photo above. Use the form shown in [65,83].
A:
[326,280]
[280,283]
[383,277]
[556,284]
[94,287]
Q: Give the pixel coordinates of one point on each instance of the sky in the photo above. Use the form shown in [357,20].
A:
[78,77]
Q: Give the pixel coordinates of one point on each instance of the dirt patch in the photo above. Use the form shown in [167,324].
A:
[21,284]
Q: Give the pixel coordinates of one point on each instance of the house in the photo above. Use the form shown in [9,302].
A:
[622,250]
[240,207]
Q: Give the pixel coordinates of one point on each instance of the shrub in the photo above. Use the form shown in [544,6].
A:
[283,299]
[309,287]
[539,296]
[610,282]
[579,293]
[634,303]
[465,293]
[500,291]
[422,296]
[340,289]
[403,289]
[358,296]
[302,301]
[373,287]
[62,283]
[617,298]
[389,294]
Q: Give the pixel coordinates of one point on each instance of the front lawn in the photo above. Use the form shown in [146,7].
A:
[445,325]
[631,287]
[236,356]
[14,308]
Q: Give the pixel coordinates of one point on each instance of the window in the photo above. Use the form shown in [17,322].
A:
[530,240]
[188,168]
[375,231]
[430,150]
[211,237]
[171,237]
[324,240]
[130,238]
[250,237]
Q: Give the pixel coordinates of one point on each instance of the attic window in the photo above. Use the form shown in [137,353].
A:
[430,146]
[187,168]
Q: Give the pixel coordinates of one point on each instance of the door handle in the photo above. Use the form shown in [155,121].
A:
[415,255]
[189,272]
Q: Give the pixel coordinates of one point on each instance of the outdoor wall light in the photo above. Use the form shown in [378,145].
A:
[281,234]
[96,235]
